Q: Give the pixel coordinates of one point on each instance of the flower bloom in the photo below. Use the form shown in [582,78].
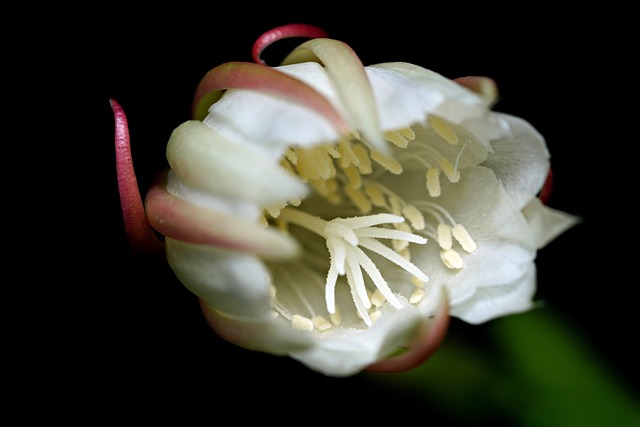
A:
[334,212]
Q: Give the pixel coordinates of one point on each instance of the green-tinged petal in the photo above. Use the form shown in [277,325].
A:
[207,161]
[547,223]
[520,160]
[351,82]
[177,218]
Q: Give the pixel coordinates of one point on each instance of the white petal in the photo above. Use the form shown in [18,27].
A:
[233,283]
[269,123]
[505,242]
[348,352]
[406,93]
[520,160]
[547,223]
[491,302]
[272,335]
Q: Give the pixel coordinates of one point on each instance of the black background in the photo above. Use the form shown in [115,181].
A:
[133,339]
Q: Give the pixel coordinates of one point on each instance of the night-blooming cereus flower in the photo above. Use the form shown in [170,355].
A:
[334,212]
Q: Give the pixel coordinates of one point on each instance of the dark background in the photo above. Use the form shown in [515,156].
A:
[133,339]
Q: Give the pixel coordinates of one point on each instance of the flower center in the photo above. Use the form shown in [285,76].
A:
[347,175]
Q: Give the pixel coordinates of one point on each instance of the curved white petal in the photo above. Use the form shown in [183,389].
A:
[495,301]
[349,351]
[505,243]
[520,160]
[231,282]
[271,123]
[547,223]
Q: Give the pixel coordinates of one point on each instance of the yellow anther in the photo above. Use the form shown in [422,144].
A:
[443,129]
[302,323]
[354,177]
[359,199]
[396,205]
[464,238]
[375,315]
[433,182]
[408,133]
[444,236]
[362,154]
[347,156]
[416,296]
[377,299]
[321,323]
[452,174]
[291,155]
[417,282]
[451,259]
[375,195]
[336,318]
[396,139]
[387,162]
[414,216]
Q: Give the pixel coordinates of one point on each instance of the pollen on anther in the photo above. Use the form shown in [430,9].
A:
[396,139]
[414,216]
[416,296]
[302,323]
[451,259]
[444,236]
[377,299]
[375,195]
[321,323]
[464,238]
[452,174]
[387,162]
[443,129]
[433,182]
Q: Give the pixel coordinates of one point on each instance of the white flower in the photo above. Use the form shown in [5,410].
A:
[326,211]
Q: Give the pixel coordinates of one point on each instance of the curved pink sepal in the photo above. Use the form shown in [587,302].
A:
[179,219]
[261,78]
[283,32]
[427,341]
[142,239]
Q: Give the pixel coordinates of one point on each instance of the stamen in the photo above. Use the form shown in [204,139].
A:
[416,296]
[451,259]
[302,323]
[433,182]
[375,195]
[414,216]
[449,170]
[362,155]
[321,323]
[443,129]
[387,162]
[444,236]
[396,139]
[464,238]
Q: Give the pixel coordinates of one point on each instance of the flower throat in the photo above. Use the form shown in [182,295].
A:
[345,173]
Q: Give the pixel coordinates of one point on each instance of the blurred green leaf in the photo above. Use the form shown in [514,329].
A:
[532,370]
